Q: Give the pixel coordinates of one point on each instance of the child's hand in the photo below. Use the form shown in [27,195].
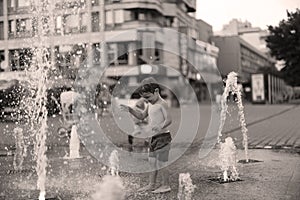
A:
[124,107]
[156,129]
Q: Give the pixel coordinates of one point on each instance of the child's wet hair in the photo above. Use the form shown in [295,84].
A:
[150,87]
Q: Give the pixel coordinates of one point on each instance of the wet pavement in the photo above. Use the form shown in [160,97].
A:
[273,140]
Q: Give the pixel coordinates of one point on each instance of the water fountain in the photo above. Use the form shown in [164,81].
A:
[186,187]
[111,188]
[227,153]
[227,156]
[114,163]
[74,144]
[20,151]
[232,87]
[36,107]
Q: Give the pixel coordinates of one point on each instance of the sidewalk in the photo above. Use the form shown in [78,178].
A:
[253,114]
[277,176]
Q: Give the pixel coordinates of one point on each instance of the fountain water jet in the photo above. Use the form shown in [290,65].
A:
[20,149]
[74,143]
[232,86]
[114,163]
[39,70]
[227,156]
[186,187]
[111,188]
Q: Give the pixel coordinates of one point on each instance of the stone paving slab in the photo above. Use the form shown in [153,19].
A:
[279,131]
[276,177]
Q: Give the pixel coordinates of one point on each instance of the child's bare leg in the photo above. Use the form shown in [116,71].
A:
[165,177]
[165,174]
[152,177]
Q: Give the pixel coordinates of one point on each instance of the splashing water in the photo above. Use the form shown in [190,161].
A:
[74,143]
[232,86]
[37,100]
[111,188]
[39,128]
[20,149]
[227,156]
[186,187]
[114,163]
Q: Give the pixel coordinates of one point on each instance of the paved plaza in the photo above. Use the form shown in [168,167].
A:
[274,141]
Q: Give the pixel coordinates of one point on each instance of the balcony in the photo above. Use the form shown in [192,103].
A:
[22,34]
[19,10]
[65,4]
[191,5]
[134,4]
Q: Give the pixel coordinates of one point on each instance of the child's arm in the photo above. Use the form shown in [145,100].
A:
[140,114]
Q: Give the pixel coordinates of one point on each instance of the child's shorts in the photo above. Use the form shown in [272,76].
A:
[160,146]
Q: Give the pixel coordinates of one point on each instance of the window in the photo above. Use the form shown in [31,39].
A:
[14,59]
[23,3]
[34,26]
[122,53]
[58,24]
[3,64]
[135,15]
[22,27]
[84,22]
[168,22]
[1,7]
[1,31]
[142,16]
[158,51]
[96,53]
[118,53]
[71,23]
[95,22]
[112,53]
[109,17]
[95,2]
[71,4]
[119,16]
[11,4]
[128,16]
[46,25]
[11,28]
[20,59]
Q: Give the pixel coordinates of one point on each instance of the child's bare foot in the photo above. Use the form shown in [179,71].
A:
[149,187]
[162,189]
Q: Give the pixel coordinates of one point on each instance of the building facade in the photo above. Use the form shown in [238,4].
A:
[253,35]
[235,54]
[243,49]
[132,31]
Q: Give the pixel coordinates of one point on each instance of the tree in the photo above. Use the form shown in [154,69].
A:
[284,43]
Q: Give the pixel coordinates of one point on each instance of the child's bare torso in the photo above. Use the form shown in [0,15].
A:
[157,116]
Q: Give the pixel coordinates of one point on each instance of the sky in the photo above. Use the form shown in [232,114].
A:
[259,13]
